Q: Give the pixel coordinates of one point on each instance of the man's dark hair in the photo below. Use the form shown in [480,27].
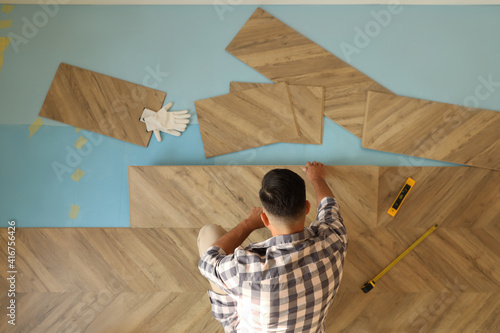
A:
[283,194]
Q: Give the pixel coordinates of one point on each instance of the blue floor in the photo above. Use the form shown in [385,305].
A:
[433,52]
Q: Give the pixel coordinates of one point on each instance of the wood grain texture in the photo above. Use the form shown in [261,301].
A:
[100,103]
[107,280]
[445,311]
[284,55]
[108,259]
[464,197]
[108,312]
[308,105]
[246,119]
[432,130]
[224,195]
[146,279]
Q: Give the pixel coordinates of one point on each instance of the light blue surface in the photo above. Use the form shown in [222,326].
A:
[433,52]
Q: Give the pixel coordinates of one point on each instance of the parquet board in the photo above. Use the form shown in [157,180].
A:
[246,119]
[117,260]
[284,55]
[105,312]
[464,197]
[432,130]
[100,103]
[224,195]
[446,311]
[146,279]
[308,105]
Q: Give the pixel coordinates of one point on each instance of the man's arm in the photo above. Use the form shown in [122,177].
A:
[315,173]
[234,238]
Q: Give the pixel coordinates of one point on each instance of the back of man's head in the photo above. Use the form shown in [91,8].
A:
[283,195]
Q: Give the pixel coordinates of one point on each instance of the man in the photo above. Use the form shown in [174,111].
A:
[286,283]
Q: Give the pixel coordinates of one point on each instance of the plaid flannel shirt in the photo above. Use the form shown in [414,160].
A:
[284,284]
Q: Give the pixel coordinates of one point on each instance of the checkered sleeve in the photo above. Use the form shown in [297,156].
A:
[221,269]
[329,219]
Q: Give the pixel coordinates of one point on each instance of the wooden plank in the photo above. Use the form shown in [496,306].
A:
[308,105]
[284,55]
[246,119]
[464,197]
[100,103]
[224,195]
[432,130]
[107,312]
[448,310]
[146,279]
[115,260]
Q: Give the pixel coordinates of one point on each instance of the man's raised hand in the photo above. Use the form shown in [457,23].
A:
[315,171]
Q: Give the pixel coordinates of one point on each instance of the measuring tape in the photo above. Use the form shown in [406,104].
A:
[370,284]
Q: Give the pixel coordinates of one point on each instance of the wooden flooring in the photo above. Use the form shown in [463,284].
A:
[283,55]
[432,130]
[145,279]
[308,105]
[246,119]
[100,103]
[108,280]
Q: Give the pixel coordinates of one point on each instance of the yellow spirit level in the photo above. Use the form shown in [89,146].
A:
[370,284]
[401,197]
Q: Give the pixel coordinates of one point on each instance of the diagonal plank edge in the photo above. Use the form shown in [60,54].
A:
[224,195]
[246,119]
[308,104]
[283,55]
[433,130]
[100,103]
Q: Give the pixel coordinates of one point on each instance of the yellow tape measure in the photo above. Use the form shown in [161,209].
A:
[370,284]
[401,197]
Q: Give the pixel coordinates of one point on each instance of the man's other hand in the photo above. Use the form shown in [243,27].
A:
[254,221]
[315,171]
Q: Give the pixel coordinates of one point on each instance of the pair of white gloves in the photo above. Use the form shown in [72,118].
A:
[172,123]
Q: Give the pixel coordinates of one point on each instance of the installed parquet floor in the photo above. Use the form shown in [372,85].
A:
[100,103]
[434,130]
[145,279]
[108,280]
[283,55]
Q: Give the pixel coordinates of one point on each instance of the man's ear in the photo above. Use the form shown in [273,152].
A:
[264,219]
[308,206]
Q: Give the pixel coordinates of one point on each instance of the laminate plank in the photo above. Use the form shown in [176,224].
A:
[445,311]
[464,197]
[283,55]
[432,130]
[104,312]
[100,103]
[460,256]
[246,119]
[308,104]
[224,195]
[113,260]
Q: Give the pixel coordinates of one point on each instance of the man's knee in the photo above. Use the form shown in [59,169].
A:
[208,235]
